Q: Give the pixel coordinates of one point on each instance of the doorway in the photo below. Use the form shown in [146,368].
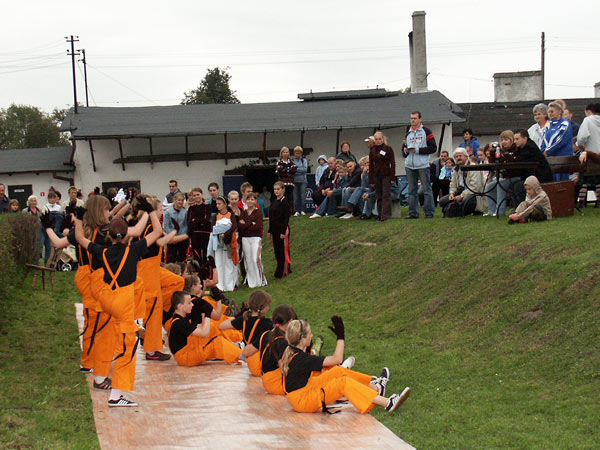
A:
[21,193]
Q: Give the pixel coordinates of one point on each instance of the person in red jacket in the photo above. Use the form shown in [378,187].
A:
[382,172]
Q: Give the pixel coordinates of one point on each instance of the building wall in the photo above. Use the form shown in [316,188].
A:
[154,177]
[39,183]
[518,86]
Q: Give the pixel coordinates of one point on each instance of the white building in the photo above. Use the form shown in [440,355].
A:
[199,144]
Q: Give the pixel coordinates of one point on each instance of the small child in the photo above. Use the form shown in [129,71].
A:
[536,207]
[446,171]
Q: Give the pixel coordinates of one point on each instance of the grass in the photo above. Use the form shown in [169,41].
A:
[44,400]
[494,327]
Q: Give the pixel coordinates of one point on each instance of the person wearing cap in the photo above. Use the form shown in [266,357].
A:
[460,200]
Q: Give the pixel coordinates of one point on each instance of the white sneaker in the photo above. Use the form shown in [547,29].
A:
[381,381]
[347,216]
[314,216]
[349,362]
[296,214]
[397,399]
[302,213]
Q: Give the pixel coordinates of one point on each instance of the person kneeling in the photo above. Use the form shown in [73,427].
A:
[308,392]
[189,341]
[536,207]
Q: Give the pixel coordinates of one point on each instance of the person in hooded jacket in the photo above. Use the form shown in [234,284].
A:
[536,207]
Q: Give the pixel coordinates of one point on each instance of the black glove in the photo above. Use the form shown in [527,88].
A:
[70,209]
[217,294]
[67,223]
[175,224]
[143,205]
[47,221]
[79,212]
[338,327]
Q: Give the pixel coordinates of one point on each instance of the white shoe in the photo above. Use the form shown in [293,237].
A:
[347,216]
[381,381]
[314,216]
[349,362]
[302,213]
[296,214]
[397,399]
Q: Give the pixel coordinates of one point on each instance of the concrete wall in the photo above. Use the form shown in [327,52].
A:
[39,183]
[154,178]
[518,86]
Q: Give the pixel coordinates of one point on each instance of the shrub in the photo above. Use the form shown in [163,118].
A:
[6,253]
[25,229]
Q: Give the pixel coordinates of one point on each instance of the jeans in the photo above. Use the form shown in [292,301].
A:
[300,197]
[413,176]
[497,196]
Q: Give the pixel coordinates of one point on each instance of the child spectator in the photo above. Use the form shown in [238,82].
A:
[536,207]
[250,226]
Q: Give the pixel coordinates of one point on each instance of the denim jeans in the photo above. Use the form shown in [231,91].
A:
[299,197]
[413,176]
[497,196]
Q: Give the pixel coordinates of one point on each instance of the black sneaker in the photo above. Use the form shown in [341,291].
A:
[121,402]
[104,385]
[381,381]
[85,369]
[397,399]
[158,356]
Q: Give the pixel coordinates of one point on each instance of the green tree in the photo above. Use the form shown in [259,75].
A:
[214,88]
[24,126]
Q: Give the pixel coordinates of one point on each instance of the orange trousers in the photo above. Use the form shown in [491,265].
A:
[254,364]
[273,382]
[82,282]
[120,304]
[329,386]
[199,350]
[103,329]
[169,283]
[148,270]
[232,334]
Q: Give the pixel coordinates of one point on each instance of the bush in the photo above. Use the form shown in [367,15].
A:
[25,229]
[7,270]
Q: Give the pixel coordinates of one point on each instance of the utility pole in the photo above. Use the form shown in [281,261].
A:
[543,65]
[84,61]
[72,40]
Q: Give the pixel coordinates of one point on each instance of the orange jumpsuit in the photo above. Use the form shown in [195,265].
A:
[328,386]
[232,334]
[82,282]
[169,283]
[272,378]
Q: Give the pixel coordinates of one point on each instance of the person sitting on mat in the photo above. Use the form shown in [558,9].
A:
[308,392]
[190,341]
[252,323]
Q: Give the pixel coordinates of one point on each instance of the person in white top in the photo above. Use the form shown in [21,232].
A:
[73,197]
[538,129]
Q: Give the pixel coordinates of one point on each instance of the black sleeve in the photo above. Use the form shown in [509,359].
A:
[431,145]
[200,306]
[238,323]
[139,247]
[312,362]
[96,249]
[71,238]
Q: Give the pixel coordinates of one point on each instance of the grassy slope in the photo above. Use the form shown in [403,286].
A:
[44,400]
[494,327]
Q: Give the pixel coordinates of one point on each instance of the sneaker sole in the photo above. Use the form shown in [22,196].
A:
[129,405]
[402,398]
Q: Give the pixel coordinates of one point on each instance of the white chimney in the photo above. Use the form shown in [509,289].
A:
[597,90]
[418,54]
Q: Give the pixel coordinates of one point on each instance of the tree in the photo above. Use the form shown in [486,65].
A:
[24,126]
[214,88]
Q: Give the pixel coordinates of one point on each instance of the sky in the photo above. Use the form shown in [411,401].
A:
[149,53]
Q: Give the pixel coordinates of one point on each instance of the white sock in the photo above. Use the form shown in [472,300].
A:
[115,394]
[98,379]
[150,353]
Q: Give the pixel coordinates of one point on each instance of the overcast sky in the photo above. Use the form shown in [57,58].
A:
[150,53]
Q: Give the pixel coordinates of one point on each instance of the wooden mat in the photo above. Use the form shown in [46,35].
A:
[220,406]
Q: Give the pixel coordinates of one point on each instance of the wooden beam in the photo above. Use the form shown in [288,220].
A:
[187,152]
[69,180]
[92,153]
[150,142]
[337,141]
[225,139]
[439,150]
[121,153]
[302,138]
[205,156]
[265,147]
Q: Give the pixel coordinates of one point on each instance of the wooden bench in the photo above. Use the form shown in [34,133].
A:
[49,269]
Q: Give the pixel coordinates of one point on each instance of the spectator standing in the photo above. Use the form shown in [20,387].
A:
[4,200]
[169,198]
[567,114]
[73,197]
[213,191]
[250,226]
[279,230]
[469,139]
[419,143]
[382,171]
[176,219]
[57,215]
[344,153]
[558,140]
[537,131]
[322,166]
[300,180]
[285,170]
[588,137]
[199,225]
[32,208]
[14,206]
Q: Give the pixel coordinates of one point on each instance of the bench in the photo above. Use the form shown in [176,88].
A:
[49,269]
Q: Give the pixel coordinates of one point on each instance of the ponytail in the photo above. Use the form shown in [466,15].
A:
[296,330]
[258,301]
[281,315]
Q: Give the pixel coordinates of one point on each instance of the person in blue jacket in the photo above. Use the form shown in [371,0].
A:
[558,139]
[469,139]
[300,180]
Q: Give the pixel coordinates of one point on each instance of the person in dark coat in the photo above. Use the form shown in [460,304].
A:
[279,230]
[382,174]
[528,151]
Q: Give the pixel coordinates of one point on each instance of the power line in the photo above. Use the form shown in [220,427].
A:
[123,85]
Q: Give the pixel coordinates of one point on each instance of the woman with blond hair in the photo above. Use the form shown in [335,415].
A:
[285,171]
[382,174]
[558,139]
[300,180]
[496,189]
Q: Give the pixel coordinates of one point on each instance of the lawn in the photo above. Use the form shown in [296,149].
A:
[494,327]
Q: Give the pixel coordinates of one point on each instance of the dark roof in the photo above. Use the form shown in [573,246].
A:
[384,112]
[492,118]
[28,160]
[340,95]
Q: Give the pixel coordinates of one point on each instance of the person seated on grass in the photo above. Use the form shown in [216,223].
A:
[353,197]
[328,206]
[354,174]
[461,200]
[536,207]
[190,341]
[308,391]
[325,181]
[252,323]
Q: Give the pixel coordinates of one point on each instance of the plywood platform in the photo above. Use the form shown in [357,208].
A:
[224,407]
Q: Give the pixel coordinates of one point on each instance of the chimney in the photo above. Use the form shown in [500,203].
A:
[597,90]
[418,54]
